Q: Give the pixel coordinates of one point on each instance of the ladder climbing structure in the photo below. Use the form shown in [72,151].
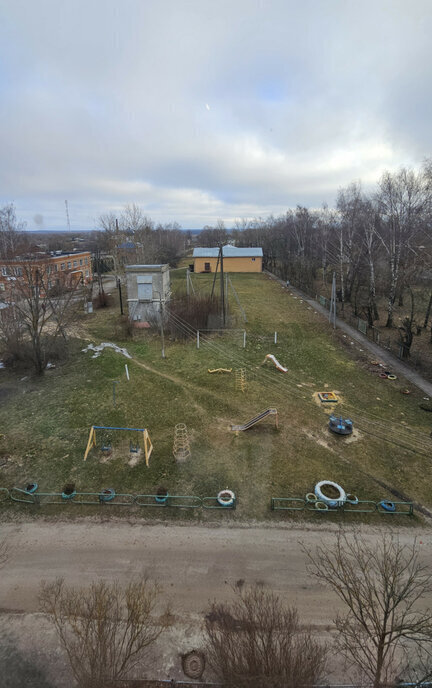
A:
[181,448]
[257,419]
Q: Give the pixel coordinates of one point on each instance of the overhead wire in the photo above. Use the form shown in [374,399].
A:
[281,388]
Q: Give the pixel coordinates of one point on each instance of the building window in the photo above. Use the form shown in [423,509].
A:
[62,266]
[80,261]
[69,265]
[253,258]
[4,272]
[86,261]
[49,269]
[2,286]
[75,263]
[56,267]
[18,272]
[207,267]
[87,273]
[49,284]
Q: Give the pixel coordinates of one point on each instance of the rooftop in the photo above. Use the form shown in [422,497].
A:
[228,252]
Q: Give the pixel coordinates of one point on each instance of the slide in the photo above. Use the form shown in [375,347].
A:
[256,419]
[270,357]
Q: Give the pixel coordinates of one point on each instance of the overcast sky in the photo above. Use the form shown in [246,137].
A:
[206,109]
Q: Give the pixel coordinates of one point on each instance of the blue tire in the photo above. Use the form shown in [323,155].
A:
[107,495]
[387,506]
[68,496]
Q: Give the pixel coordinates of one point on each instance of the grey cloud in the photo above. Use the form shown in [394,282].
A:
[104,103]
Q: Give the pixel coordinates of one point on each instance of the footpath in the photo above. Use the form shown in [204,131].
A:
[378,352]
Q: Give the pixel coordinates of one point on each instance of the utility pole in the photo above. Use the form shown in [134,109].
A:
[222,287]
[120,294]
[332,314]
[67,216]
[161,311]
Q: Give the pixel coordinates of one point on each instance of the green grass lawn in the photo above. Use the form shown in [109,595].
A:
[46,421]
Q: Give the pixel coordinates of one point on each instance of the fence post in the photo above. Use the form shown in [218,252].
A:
[197,339]
[244,339]
[275,338]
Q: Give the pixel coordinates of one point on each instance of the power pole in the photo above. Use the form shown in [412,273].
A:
[332,314]
[222,287]
[67,216]
[120,295]
[161,310]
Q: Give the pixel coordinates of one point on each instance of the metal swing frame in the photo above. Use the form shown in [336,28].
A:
[148,446]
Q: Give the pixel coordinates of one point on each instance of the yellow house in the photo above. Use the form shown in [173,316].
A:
[234,259]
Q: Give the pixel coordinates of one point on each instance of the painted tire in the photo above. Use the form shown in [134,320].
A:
[161,499]
[311,497]
[31,488]
[383,375]
[331,502]
[352,499]
[321,506]
[68,496]
[391,377]
[107,495]
[387,506]
[226,498]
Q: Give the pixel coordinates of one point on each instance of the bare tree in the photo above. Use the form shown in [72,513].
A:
[404,204]
[382,587]
[255,641]
[10,231]
[105,629]
[38,312]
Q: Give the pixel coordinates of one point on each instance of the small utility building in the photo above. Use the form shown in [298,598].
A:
[234,259]
[148,288]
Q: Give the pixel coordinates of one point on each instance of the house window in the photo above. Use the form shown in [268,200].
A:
[62,266]
[69,265]
[56,267]
[80,261]
[18,272]
[87,273]
[75,263]
[207,267]
[49,269]
[2,286]
[86,261]
[4,272]
[253,258]
[49,284]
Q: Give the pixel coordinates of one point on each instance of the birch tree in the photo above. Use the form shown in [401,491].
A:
[404,203]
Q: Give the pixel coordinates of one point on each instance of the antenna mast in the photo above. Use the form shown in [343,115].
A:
[67,216]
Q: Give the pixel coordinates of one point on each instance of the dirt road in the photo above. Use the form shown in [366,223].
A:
[194,564]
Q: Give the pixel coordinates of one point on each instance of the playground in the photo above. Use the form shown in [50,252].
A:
[284,453]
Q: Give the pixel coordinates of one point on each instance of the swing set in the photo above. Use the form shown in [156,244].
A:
[133,448]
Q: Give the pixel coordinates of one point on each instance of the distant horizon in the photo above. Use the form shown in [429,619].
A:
[80,231]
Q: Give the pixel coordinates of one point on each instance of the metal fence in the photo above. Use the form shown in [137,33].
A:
[397,348]
[163,683]
[364,506]
[17,494]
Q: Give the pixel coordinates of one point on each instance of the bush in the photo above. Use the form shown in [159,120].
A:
[103,300]
[199,311]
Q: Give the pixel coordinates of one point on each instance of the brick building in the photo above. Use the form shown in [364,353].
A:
[56,269]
